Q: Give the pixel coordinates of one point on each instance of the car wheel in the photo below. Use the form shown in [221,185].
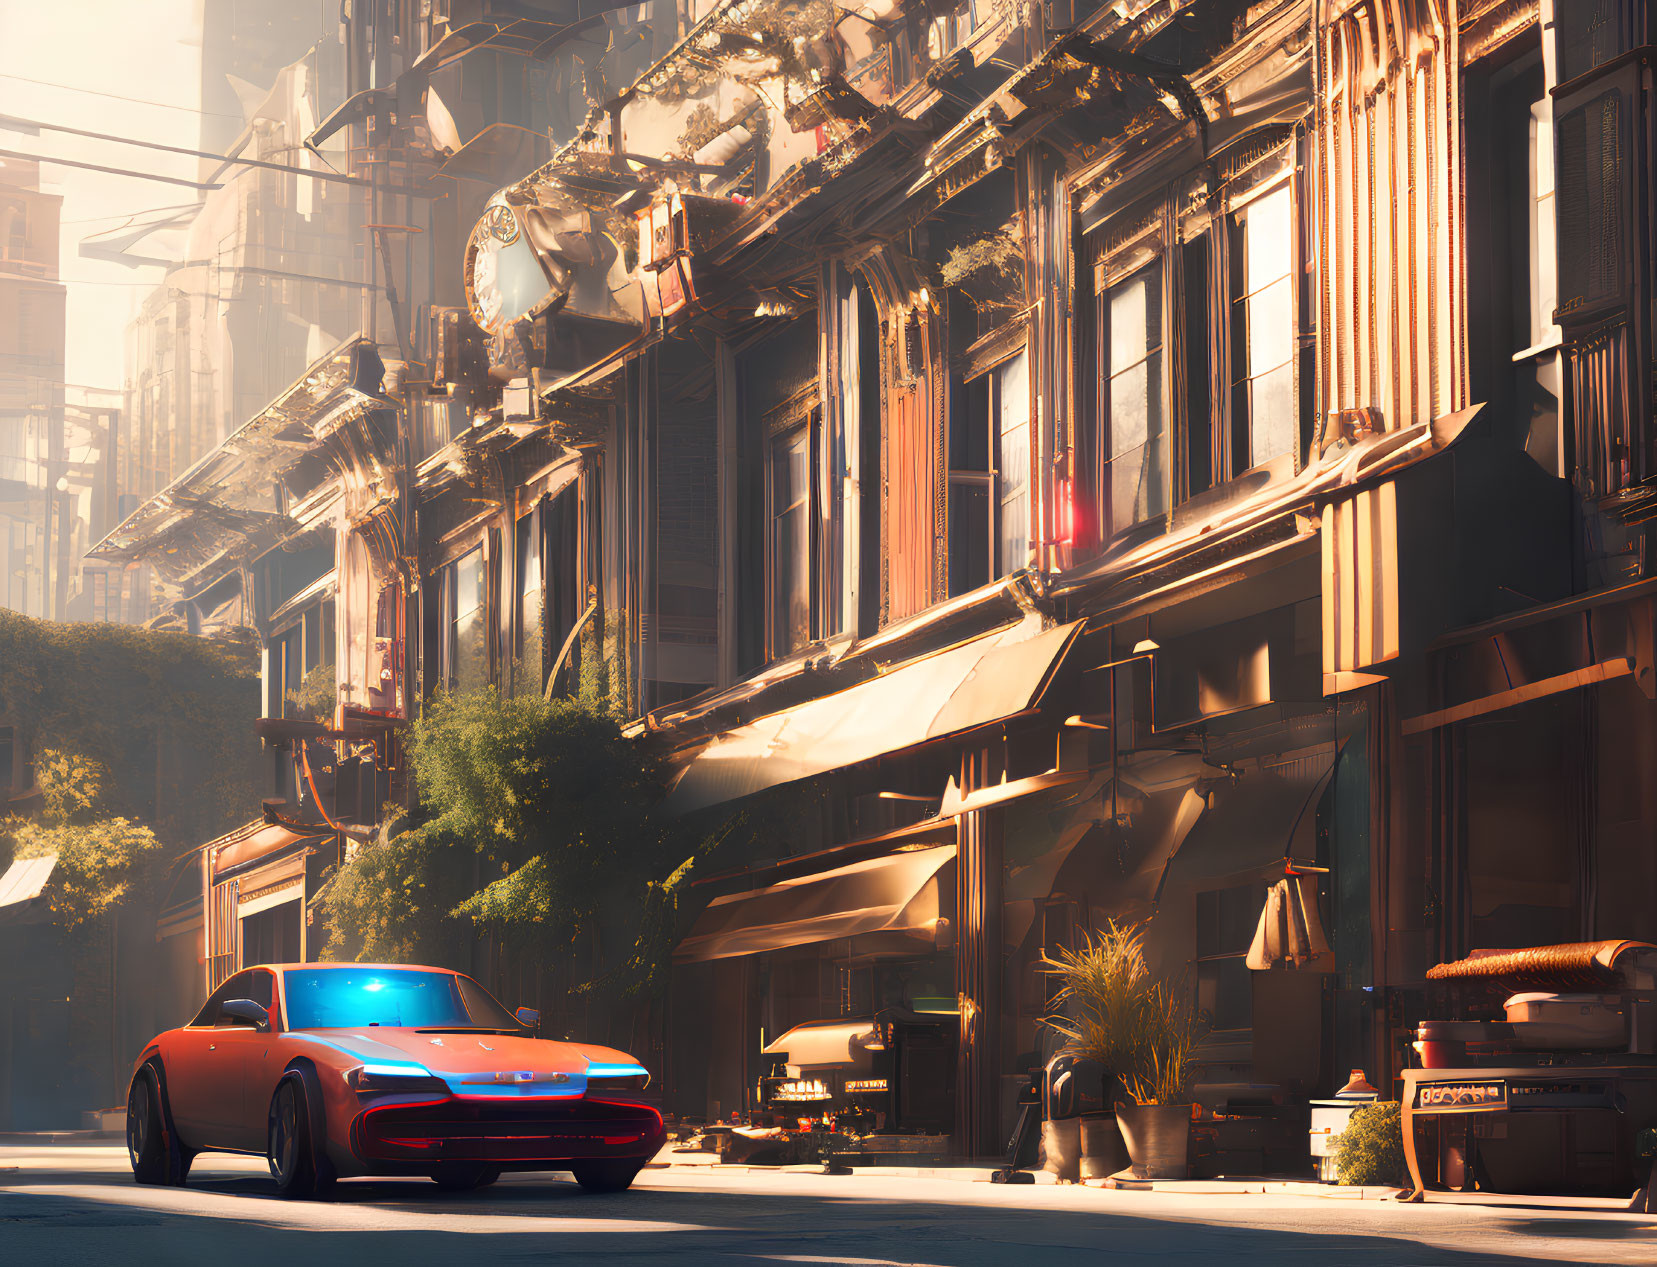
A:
[463,1176]
[146,1147]
[290,1148]
[606,1176]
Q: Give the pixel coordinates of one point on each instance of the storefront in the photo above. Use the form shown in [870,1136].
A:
[260,878]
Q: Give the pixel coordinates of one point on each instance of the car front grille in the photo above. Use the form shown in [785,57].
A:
[521,1130]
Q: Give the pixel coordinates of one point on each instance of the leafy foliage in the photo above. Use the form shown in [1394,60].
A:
[71,787]
[101,865]
[317,695]
[989,270]
[102,862]
[1371,1148]
[166,718]
[1143,1032]
[541,828]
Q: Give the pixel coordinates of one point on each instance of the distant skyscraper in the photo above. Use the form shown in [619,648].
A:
[244,46]
[35,535]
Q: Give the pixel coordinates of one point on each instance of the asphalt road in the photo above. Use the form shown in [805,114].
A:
[72,1205]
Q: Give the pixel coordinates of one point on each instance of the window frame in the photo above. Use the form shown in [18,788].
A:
[1146,250]
[800,415]
[1274,174]
[1128,242]
[529,541]
[321,616]
[997,350]
[1255,887]
[451,586]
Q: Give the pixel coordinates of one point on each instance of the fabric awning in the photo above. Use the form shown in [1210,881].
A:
[1597,959]
[1290,931]
[982,681]
[819,1043]
[21,886]
[283,880]
[897,893]
[1264,818]
[252,843]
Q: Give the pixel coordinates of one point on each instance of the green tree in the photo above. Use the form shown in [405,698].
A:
[103,860]
[540,826]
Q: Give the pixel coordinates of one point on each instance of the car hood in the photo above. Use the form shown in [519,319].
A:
[477,1064]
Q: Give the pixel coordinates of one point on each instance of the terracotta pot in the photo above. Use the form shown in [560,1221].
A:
[1158,1137]
[1061,1148]
[1103,1150]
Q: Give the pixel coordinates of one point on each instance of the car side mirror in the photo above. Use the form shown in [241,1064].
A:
[529,1018]
[247,1010]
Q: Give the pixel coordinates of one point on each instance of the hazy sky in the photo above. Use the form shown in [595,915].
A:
[147,50]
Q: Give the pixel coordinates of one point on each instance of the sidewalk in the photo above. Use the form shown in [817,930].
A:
[978,1172]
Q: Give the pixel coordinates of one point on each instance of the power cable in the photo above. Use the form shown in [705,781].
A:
[113,96]
[16,122]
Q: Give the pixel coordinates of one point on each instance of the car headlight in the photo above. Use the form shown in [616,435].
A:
[626,1078]
[394,1080]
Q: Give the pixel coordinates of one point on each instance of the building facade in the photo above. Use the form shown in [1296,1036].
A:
[1050,464]
[36,525]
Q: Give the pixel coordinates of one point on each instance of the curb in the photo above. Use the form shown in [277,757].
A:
[14,1139]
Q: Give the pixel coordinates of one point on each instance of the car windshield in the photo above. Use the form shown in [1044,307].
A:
[401,998]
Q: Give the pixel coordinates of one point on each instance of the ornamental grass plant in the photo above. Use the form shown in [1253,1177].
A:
[1104,988]
[1143,1032]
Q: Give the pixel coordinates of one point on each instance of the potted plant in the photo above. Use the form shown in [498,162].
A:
[1156,1125]
[1104,991]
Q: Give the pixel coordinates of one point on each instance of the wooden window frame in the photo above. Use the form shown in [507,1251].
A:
[802,411]
[1113,265]
[1236,438]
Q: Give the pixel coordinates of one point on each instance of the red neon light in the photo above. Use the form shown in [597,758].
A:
[1064,513]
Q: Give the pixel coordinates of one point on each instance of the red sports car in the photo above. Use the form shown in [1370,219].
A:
[332,1070]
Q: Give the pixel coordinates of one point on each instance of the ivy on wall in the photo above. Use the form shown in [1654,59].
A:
[166,717]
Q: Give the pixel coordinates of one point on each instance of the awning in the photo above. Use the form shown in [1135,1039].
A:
[982,681]
[21,886]
[282,880]
[1264,818]
[819,1043]
[256,841]
[1596,959]
[893,894]
[1290,931]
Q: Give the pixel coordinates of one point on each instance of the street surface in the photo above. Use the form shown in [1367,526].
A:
[78,1204]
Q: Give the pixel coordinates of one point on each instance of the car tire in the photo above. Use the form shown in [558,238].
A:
[146,1137]
[606,1176]
[462,1176]
[291,1147]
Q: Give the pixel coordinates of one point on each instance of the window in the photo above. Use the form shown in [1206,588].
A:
[14,230]
[468,646]
[1011,406]
[1544,260]
[1265,419]
[989,476]
[532,592]
[1134,426]
[1226,920]
[254,985]
[790,538]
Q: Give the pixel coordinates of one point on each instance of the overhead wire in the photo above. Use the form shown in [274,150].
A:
[115,96]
